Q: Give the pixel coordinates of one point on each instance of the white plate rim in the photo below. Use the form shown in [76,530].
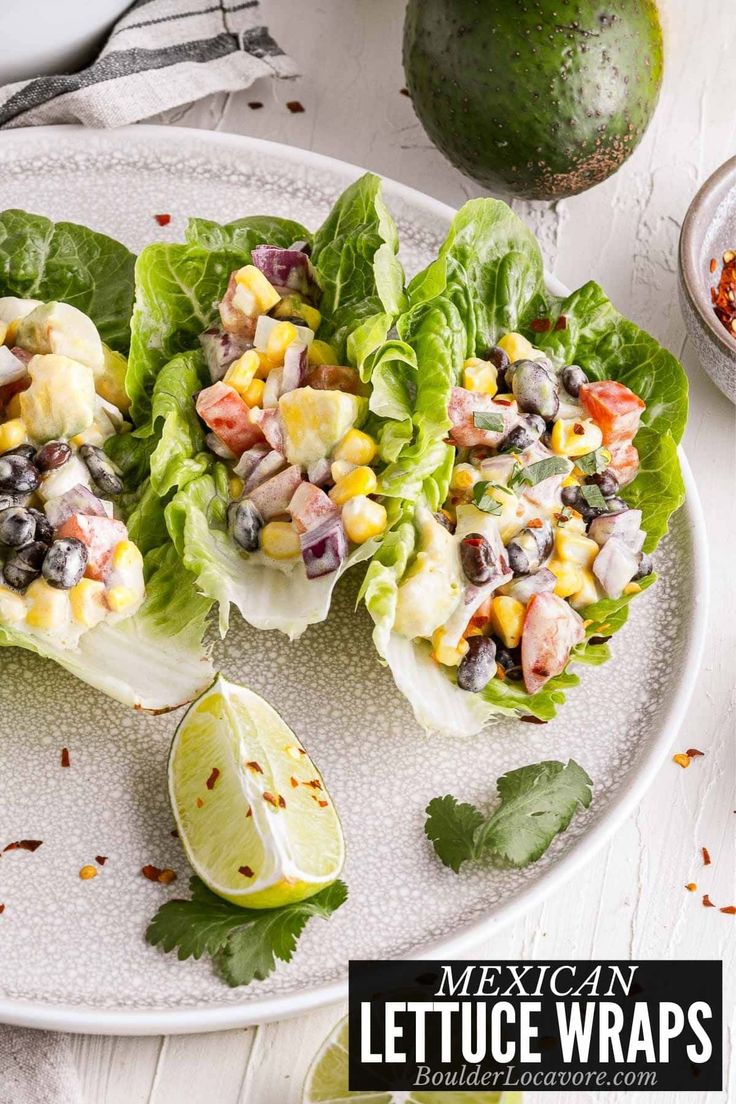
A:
[121,1021]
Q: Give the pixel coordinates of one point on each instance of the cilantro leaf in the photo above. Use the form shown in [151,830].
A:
[593,496]
[537,803]
[542,469]
[243,943]
[483,500]
[484,420]
[451,826]
[592,462]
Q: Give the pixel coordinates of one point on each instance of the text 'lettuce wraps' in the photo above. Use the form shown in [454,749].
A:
[89,578]
[557,425]
[249,375]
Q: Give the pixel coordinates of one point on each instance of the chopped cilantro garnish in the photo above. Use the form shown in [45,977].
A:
[543,469]
[593,496]
[592,462]
[483,500]
[483,420]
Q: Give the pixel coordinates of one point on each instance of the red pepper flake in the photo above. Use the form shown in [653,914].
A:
[269,797]
[404,92]
[2,909]
[724,300]
[713,264]
[532,720]
[100,859]
[294,781]
[541,325]
[535,523]
[282,802]
[730,910]
[561,323]
[249,813]
[23,845]
[245,871]
[694,753]
[167,876]
[295,107]
[200,802]
[500,672]
[255,767]
[314,783]
[163,220]
[151,872]
[255,105]
[322,804]
[501,402]
[213,778]
[706,856]
[65,757]
[707,903]
[578,429]
[691,886]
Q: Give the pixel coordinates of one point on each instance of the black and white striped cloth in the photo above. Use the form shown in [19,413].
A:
[160,54]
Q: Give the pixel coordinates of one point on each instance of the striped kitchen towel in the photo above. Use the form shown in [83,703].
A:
[160,54]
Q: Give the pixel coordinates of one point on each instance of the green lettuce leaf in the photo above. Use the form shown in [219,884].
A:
[242,235]
[40,259]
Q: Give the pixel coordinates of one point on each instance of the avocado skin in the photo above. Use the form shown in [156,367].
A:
[542,98]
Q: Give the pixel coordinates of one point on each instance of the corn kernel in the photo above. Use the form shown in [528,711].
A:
[480,376]
[356,447]
[263,293]
[235,486]
[253,396]
[571,480]
[87,602]
[3,332]
[120,598]
[632,588]
[340,468]
[92,435]
[310,315]
[507,620]
[321,353]
[279,340]
[516,347]
[242,371]
[13,408]
[569,577]
[12,607]
[360,481]
[12,332]
[280,540]
[449,655]
[588,592]
[567,440]
[681,759]
[574,547]
[12,434]
[48,608]
[126,556]
[464,478]
[87,872]
[363,519]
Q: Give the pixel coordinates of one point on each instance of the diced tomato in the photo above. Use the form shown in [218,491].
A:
[235,321]
[334,377]
[100,535]
[310,507]
[221,408]
[273,497]
[552,628]
[464,405]
[614,408]
[624,462]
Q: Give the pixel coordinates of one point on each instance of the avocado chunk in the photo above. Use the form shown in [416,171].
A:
[63,329]
[432,587]
[110,378]
[540,99]
[61,399]
[315,421]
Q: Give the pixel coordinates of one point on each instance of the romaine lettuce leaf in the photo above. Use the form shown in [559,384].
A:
[40,259]
[242,235]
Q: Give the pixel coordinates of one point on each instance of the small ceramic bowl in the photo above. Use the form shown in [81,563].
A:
[708,231]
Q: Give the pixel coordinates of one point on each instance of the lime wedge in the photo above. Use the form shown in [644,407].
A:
[327,1082]
[251,808]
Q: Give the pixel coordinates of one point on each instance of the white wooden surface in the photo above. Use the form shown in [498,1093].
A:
[631,901]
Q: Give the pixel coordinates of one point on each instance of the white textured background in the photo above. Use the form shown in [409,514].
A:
[630,902]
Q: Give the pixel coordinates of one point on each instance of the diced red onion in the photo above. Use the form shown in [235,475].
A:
[273,497]
[216,445]
[272,389]
[21,354]
[250,460]
[320,472]
[615,566]
[269,422]
[624,524]
[272,463]
[324,548]
[221,349]
[287,268]
[295,367]
[525,586]
[12,368]
[77,500]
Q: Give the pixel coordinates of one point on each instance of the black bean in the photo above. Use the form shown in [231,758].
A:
[518,559]
[478,665]
[245,524]
[446,523]
[498,358]
[102,470]
[52,455]
[573,379]
[44,528]
[646,567]
[65,563]
[25,565]
[570,497]
[606,481]
[510,660]
[18,475]
[529,548]
[476,557]
[614,504]
[535,389]
[524,434]
[27,451]
[17,527]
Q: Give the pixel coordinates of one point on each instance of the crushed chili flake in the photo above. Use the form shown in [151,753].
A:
[245,871]
[706,856]
[532,720]
[578,429]
[252,765]
[2,909]
[101,859]
[295,107]
[200,802]
[254,105]
[535,523]
[500,402]
[730,910]
[23,845]
[500,672]
[167,876]
[707,903]
[294,781]
[561,323]
[164,876]
[681,760]
[314,783]
[713,264]
[692,886]
[163,220]
[213,778]
[87,872]
[541,325]
[269,797]
[282,802]
[724,299]
[65,757]
[694,753]
[151,872]
[249,813]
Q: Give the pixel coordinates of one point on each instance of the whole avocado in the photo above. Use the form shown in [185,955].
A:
[542,98]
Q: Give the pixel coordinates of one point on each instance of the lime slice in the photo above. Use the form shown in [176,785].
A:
[327,1082]
[251,808]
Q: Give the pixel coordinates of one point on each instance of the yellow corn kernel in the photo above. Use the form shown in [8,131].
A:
[340,468]
[12,434]
[464,477]
[356,447]
[48,608]
[120,598]
[253,396]
[279,340]
[3,332]
[280,540]
[507,620]
[126,556]
[574,547]
[569,577]
[88,872]
[321,353]
[235,486]
[13,407]
[571,480]
[588,592]
[360,481]
[516,347]
[310,315]
[480,376]
[632,588]
[264,293]
[242,371]
[88,602]
[567,439]
[449,655]
[92,435]
[12,607]
[12,331]
[363,519]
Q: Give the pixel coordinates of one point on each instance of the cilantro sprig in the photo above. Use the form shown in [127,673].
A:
[483,419]
[537,803]
[593,462]
[542,469]
[483,500]
[243,943]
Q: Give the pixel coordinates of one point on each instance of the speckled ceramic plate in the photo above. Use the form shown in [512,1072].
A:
[73,955]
